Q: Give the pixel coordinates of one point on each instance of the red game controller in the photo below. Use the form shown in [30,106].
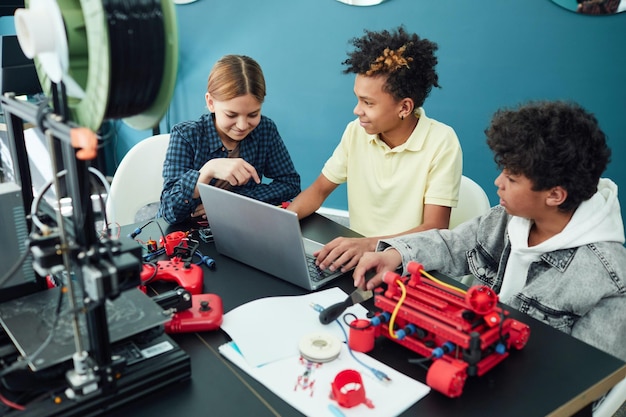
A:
[206,313]
[187,275]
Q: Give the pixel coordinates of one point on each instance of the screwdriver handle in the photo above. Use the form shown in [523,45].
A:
[330,314]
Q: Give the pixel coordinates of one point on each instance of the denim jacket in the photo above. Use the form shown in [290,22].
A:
[580,291]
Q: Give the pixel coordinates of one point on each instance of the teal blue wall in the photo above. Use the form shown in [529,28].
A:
[492,53]
[6,25]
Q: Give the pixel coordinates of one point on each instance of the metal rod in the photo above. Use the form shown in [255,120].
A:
[65,248]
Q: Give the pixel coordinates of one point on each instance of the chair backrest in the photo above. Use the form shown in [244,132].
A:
[138,180]
[473,201]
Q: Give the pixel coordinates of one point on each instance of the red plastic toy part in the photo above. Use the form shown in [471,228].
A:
[482,299]
[190,276]
[519,334]
[362,335]
[348,390]
[206,313]
[171,241]
[447,377]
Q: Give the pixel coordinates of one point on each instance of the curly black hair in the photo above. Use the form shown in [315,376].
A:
[553,144]
[415,80]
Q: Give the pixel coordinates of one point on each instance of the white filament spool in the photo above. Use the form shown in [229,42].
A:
[320,347]
[41,34]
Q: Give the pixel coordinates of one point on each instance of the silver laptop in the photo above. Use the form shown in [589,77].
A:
[263,236]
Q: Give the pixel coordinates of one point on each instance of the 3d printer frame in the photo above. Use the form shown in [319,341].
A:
[101,265]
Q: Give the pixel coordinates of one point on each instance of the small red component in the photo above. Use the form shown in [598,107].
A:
[172,240]
[348,390]
[206,313]
[362,335]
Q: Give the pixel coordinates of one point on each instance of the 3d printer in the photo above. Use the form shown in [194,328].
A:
[92,341]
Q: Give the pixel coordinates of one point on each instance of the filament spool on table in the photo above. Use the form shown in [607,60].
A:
[319,347]
[107,56]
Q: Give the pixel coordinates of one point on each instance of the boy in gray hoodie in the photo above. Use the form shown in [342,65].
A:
[554,246]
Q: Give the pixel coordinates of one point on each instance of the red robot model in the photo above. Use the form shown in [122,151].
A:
[463,333]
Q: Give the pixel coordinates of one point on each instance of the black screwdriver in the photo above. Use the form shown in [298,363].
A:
[330,314]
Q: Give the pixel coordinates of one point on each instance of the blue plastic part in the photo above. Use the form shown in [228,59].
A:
[442,350]
[410,328]
[500,348]
[209,261]
[381,318]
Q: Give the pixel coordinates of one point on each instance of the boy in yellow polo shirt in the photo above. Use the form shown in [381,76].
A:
[402,168]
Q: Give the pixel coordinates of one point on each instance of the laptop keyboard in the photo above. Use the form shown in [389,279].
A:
[315,272]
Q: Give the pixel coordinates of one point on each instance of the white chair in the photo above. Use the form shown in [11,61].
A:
[138,180]
[614,401]
[473,201]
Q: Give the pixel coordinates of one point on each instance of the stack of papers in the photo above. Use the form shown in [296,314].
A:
[266,334]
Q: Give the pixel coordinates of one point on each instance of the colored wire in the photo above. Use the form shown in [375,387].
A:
[380,375]
[392,320]
[11,404]
[421,361]
[34,207]
[443,284]
[207,260]
[150,256]
[154,272]
[138,230]
[106,232]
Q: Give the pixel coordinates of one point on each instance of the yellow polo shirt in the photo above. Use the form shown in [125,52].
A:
[387,188]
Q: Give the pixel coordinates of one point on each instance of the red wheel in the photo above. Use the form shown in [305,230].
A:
[447,378]
[481,299]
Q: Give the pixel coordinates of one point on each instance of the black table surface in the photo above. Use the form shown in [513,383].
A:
[553,375]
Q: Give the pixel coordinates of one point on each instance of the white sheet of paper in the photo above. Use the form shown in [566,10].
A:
[269,329]
[308,389]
